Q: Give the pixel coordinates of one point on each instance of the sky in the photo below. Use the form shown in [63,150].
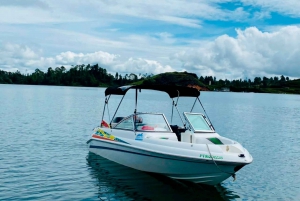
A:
[229,39]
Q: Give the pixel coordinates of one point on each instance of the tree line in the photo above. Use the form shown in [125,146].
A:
[246,83]
[79,75]
[95,76]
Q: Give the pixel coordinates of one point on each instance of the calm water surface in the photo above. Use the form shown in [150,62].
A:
[44,156]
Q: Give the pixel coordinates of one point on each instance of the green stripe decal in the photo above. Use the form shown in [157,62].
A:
[215,140]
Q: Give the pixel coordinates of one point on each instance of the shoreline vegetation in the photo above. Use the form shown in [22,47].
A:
[96,76]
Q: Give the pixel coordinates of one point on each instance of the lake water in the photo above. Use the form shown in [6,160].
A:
[44,156]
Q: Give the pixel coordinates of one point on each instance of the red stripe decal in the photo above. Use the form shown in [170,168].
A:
[97,136]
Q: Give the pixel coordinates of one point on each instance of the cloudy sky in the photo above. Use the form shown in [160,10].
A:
[223,38]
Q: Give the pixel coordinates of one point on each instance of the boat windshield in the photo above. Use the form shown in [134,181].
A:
[151,122]
[197,122]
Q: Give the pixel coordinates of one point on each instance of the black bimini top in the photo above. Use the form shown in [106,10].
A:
[173,91]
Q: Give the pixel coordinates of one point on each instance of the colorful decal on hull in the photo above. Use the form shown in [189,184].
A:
[101,134]
[139,136]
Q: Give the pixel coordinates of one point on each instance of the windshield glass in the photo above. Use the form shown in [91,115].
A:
[151,122]
[197,121]
[126,124]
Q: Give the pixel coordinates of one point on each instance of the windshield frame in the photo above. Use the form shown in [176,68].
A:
[185,114]
[135,122]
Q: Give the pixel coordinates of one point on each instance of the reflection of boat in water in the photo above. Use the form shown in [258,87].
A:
[117,182]
[192,151]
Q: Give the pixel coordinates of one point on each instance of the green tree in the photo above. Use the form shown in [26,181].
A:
[265,81]
[257,80]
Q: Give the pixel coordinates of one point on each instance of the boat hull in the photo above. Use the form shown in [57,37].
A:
[176,167]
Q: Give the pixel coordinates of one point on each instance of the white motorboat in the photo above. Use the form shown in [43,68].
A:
[145,141]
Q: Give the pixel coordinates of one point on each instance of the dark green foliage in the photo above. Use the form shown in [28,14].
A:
[79,75]
[174,78]
[264,85]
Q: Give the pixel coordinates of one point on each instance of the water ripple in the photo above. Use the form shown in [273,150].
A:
[43,155]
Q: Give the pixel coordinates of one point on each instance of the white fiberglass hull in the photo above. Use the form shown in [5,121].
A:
[191,169]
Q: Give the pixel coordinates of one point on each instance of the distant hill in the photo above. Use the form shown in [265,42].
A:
[175,79]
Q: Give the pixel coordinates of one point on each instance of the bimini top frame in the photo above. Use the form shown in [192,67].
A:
[172,91]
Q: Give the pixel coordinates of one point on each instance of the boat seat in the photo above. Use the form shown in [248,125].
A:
[177,130]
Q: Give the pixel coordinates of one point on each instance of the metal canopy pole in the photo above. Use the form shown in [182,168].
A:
[135,117]
[106,102]
[173,103]
[177,108]
[194,104]
[205,113]
[116,110]
[136,94]
[180,115]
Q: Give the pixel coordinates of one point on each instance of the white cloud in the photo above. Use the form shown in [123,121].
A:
[19,51]
[134,35]
[252,51]
[180,21]
[23,58]
[140,65]
[181,12]
[22,3]
[103,58]
[156,46]
[13,56]
[186,13]
[261,15]
[32,15]
[288,7]
[171,11]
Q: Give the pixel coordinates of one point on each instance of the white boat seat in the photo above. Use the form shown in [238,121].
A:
[188,137]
